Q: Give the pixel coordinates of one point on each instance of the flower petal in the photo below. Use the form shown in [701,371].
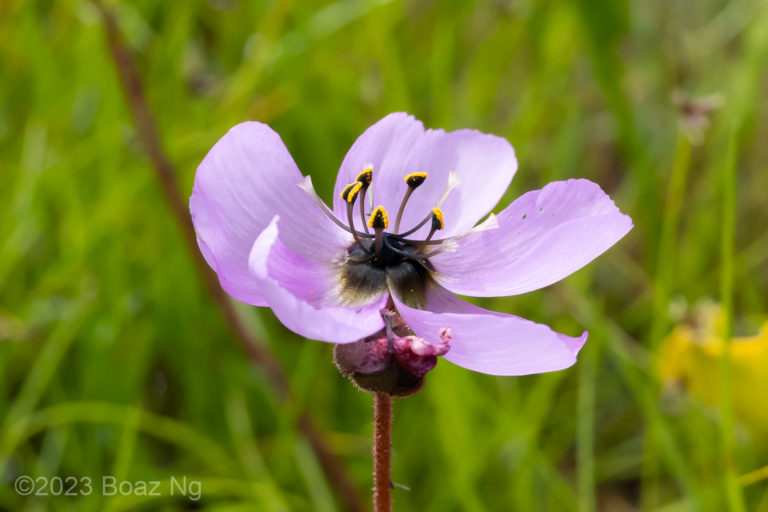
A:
[247,178]
[490,342]
[398,145]
[301,293]
[542,237]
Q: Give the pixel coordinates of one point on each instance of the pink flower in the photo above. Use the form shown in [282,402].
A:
[328,275]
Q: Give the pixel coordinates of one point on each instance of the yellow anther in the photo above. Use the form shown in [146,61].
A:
[415,179]
[378,218]
[437,219]
[349,194]
[365,176]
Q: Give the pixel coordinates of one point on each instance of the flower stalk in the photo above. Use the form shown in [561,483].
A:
[382,445]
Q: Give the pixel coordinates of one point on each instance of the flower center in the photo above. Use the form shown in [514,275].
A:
[380,260]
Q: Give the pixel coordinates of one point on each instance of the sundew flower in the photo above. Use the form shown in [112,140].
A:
[405,235]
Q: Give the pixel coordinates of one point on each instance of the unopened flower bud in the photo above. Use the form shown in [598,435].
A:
[394,364]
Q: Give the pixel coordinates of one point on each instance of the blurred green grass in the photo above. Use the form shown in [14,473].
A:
[114,361]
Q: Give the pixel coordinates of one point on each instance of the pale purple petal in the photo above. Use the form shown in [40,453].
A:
[246,179]
[490,342]
[386,146]
[301,293]
[398,145]
[542,237]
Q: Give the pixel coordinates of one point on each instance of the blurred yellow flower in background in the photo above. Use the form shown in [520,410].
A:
[690,355]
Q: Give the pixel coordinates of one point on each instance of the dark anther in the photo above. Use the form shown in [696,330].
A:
[365,177]
[378,219]
[415,179]
[349,194]
[437,219]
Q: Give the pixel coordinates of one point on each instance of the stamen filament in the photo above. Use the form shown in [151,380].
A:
[362,208]
[379,236]
[306,186]
[453,182]
[429,236]
[402,208]
[414,181]
[379,223]
[490,223]
[417,227]
[366,178]
[437,223]
[351,219]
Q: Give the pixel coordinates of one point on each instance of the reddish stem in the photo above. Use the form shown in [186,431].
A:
[382,444]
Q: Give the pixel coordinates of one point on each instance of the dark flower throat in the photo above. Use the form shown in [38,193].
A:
[363,277]
[380,261]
